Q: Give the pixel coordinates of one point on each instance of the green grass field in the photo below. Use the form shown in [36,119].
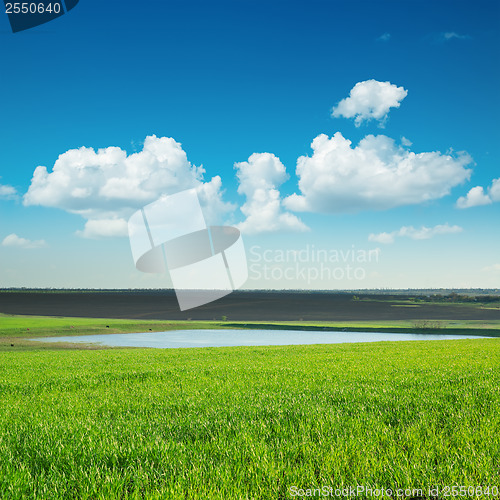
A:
[236,423]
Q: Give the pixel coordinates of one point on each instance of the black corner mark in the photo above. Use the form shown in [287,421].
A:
[24,15]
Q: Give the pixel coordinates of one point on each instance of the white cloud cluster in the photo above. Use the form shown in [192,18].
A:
[13,240]
[477,196]
[423,233]
[7,192]
[258,179]
[107,185]
[375,175]
[369,100]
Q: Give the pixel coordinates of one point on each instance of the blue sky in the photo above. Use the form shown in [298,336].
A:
[228,80]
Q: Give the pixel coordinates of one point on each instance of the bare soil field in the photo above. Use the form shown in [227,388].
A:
[238,306]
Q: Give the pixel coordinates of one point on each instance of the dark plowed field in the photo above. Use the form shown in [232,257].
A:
[239,306]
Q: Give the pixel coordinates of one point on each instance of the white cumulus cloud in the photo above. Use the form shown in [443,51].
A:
[369,100]
[258,179]
[423,233]
[377,174]
[210,195]
[477,196]
[106,186]
[13,240]
[494,190]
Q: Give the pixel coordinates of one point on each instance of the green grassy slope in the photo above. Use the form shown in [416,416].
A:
[248,422]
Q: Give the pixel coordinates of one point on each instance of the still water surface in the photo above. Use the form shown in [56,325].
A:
[222,338]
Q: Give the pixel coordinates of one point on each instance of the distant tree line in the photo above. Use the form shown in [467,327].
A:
[457,297]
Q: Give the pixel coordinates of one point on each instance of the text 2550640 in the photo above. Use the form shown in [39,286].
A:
[32,8]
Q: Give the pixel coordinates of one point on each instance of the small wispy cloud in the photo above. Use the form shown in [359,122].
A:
[384,238]
[494,268]
[7,192]
[406,142]
[102,228]
[423,233]
[13,240]
[384,38]
[451,35]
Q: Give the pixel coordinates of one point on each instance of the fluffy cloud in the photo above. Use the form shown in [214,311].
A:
[377,174]
[370,100]
[106,186]
[7,192]
[258,179]
[210,196]
[477,196]
[494,190]
[13,240]
[423,233]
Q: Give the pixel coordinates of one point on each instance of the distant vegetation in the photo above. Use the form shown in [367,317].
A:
[432,298]
[457,298]
[424,324]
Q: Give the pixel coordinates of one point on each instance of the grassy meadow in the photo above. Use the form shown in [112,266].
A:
[243,422]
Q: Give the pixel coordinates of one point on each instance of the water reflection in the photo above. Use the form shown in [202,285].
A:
[222,338]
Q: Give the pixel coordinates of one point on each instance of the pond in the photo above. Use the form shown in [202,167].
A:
[228,337]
